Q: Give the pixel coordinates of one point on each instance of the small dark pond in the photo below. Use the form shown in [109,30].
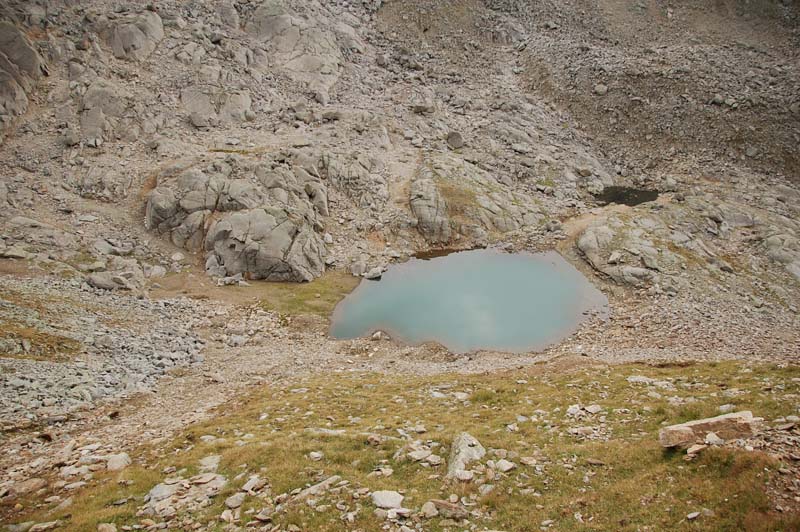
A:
[625,196]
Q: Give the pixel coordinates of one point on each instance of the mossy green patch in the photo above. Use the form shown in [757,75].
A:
[319,297]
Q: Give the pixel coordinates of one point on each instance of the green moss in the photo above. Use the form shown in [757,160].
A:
[319,297]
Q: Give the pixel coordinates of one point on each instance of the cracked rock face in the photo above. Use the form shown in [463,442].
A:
[266,244]
[256,219]
[308,49]
[20,67]
[137,37]
[450,197]
[430,209]
[208,107]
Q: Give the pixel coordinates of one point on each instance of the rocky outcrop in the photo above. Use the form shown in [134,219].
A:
[265,244]
[598,247]
[20,68]
[309,47]
[430,210]
[629,252]
[207,107]
[358,176]
[102,107]
[784,249]
[449,197]
[256,219]
[35,236]
[136,37]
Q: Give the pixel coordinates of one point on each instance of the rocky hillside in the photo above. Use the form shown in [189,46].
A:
[163,163]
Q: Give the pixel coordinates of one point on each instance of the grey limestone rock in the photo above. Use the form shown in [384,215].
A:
[136,37]
[253,219]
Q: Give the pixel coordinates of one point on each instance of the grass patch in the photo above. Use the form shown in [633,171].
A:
[318,297]
[622,481]
[28,331]
[36,344]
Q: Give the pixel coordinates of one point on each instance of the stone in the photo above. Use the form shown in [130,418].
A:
[465,449]
[305,46]
[106,527]
[210,463]
[430,209]
[19,51]
[198,103]
[162,491]
[695,449]
[504,466]
[712,439]
[594,409]
[455,140]
[104,281]
[42,527]
[727,426]
[235,500]
[20,68]
[464,475]
[263,227]
[601,89]
[254,484]
[429,510]
[374,273]
[31,485]
[419,455]
[449,510]
[265,515]
[318,488]
[387,499]
[267,244]
[136,37]
[118,462]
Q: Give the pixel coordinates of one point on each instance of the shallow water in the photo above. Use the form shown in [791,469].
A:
[472,300]
[626,196]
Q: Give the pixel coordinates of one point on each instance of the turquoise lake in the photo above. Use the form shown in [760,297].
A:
[472,300]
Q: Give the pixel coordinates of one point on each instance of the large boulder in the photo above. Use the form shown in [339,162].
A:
[13,99]
[358,176]
[784,249]
[465,449]
[102,110]
[136,37]
[267,244]
[207,107]
[727,426]
[258,219]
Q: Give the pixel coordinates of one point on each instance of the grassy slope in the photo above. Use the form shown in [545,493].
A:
[640,487]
